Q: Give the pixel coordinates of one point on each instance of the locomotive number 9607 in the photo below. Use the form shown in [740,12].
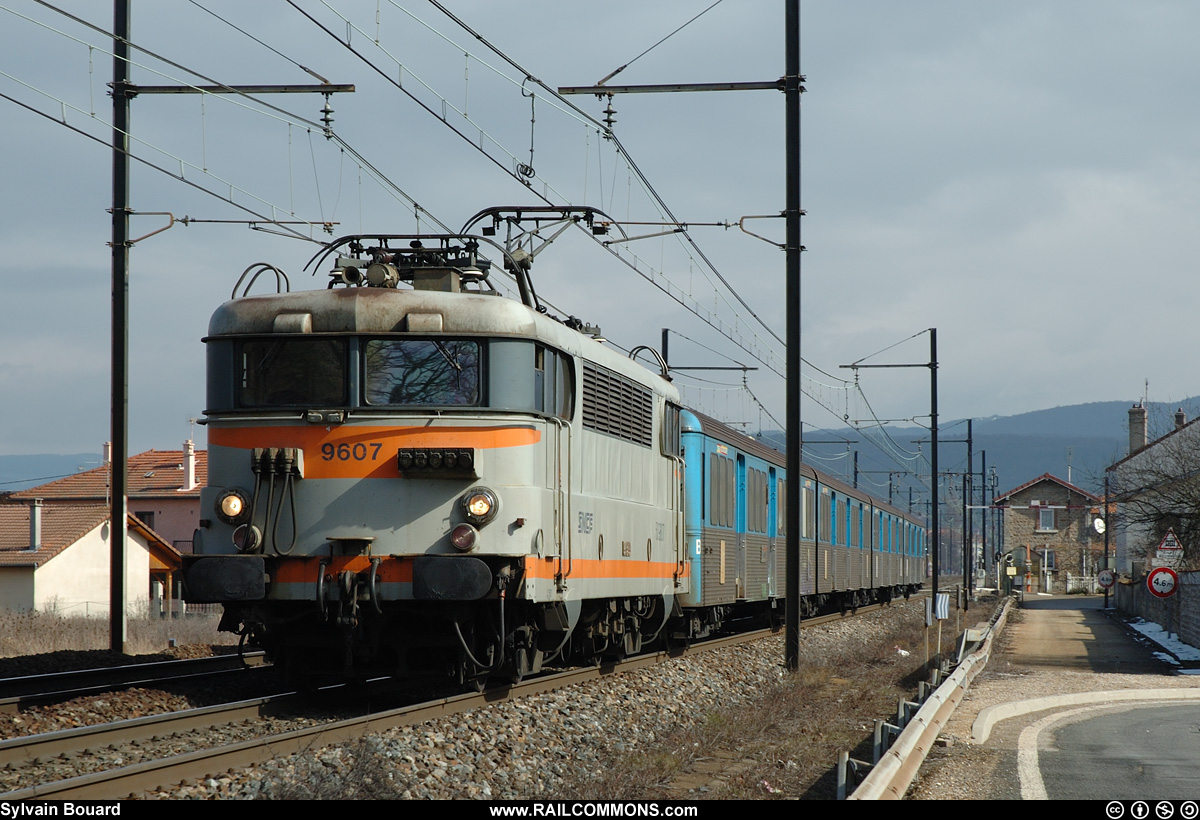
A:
[350,452]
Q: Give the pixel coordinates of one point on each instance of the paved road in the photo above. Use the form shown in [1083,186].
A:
[1072,706]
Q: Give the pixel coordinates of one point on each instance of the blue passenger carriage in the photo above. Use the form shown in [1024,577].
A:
[853,550]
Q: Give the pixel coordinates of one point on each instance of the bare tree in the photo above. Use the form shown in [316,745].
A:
[1157,489]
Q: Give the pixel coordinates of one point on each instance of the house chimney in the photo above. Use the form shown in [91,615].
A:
[189,465]
[1180,418]
[35,524]
[1137,427]
[107,452]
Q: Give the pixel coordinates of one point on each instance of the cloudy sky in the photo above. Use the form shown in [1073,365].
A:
[1022,176]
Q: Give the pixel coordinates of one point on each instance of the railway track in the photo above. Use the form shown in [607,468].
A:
[63,750]
[167,750]
[17,693]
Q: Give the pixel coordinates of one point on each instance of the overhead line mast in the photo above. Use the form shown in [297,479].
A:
[791,86]
[123,91]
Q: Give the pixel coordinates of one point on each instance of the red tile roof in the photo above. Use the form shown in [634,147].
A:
[62,526]
[152,474]
[1046,477]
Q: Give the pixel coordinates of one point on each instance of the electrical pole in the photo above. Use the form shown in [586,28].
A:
[790,85]
[969,524]
[123,92]
[935,512]
[791,92]
[118,532]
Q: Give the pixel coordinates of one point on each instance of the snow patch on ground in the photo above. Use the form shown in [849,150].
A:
[1169,642]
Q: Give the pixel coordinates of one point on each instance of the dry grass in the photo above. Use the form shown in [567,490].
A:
[784,745]
[28,634]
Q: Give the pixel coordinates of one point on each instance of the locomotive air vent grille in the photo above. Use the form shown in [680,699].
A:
[615,405]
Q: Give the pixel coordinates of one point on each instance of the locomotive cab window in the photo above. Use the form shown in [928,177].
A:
[422,372]
[672,443]
[291,372]
[553,383]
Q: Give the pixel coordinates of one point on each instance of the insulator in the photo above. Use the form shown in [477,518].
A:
[327,116]
[610,115]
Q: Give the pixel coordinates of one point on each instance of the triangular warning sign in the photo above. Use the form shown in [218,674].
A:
[1169,542]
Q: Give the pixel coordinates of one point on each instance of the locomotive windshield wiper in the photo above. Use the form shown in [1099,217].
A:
[453,361]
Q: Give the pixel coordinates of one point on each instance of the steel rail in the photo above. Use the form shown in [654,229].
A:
[19,692]
[32,748]
[159,774]
[163,774]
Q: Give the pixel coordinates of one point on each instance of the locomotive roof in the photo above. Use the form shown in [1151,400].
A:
[374,310]
[388,310]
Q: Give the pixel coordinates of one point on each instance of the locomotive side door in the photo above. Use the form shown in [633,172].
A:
[556,397]
[560,481]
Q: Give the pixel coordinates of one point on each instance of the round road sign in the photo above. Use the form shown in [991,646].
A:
[1162,582]
[1107,578]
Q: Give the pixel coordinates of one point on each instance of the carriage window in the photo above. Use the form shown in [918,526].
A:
[426,372]
[808,510]
[292,372]
[781,507]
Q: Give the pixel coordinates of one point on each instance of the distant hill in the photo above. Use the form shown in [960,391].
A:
[22,472]
[1082,439]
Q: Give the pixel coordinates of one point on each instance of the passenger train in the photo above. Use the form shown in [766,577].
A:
[411,474]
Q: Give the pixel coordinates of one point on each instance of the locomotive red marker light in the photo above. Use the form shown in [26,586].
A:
[247,537]
[463,537]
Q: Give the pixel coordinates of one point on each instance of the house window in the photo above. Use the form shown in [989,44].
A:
[1048,562]
[1045,520]
[146,517]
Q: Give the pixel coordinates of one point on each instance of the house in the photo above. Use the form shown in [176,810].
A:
[163,491]
[1158,487]
[1049,531]
[55,557]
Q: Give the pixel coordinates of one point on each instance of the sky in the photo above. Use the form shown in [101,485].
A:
[1022,176]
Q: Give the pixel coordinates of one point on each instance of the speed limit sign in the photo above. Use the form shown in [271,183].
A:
[1162,582]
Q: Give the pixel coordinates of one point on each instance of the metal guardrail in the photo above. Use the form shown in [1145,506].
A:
[918,725]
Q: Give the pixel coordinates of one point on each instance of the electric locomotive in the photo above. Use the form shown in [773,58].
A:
[409,473]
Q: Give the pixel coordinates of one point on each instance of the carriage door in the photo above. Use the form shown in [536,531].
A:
[740,520]
[772,528]
[672,448]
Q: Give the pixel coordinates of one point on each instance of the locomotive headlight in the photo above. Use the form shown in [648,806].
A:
[232,506]
[480,505]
